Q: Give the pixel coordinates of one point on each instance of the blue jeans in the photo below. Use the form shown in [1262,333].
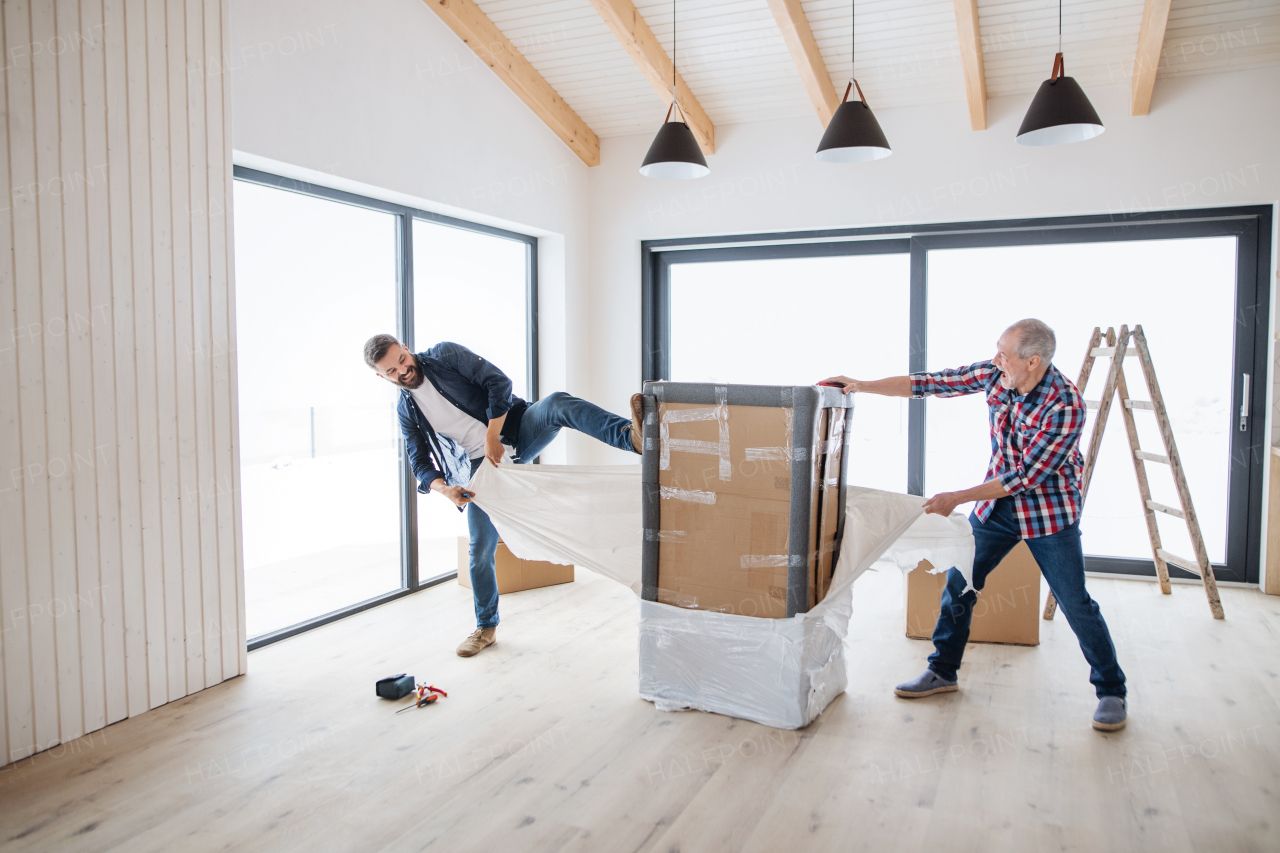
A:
[1061,561]
[541,423]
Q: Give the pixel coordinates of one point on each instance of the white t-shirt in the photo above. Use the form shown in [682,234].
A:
[448,419]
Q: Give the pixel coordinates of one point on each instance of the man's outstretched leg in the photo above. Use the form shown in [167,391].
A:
[543,420]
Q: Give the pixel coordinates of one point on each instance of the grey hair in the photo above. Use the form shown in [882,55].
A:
[1034,338]
[377,347]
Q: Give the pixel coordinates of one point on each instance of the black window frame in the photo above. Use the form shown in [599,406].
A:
[1251,225]
[405,216]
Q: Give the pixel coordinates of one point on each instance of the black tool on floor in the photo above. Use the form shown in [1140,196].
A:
[395,686]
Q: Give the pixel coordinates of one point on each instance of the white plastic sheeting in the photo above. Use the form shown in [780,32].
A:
[778,672]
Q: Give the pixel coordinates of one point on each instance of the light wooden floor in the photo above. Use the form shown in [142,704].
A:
[543,745]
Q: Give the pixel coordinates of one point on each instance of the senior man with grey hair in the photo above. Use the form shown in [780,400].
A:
[1031,493]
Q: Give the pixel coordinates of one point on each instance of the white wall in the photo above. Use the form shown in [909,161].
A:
[382,98]
[764,178]
[119,565]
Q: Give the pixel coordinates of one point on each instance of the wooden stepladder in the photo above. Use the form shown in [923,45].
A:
[1117,348]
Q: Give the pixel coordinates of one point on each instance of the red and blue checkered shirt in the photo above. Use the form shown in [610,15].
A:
[1035,442]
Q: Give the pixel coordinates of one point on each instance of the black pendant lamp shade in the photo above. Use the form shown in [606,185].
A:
[1060,112]
[674,154]
[853,134]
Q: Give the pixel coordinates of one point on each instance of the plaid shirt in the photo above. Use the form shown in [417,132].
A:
[1035,442]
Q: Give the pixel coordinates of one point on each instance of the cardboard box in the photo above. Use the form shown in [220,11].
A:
[514,574]
[744,495]
[1007,609]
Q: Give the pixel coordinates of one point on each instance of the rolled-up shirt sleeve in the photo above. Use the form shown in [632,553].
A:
[1046,449]
[972,379]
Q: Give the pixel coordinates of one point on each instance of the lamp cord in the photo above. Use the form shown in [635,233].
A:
[673,50]
[1059,26]
[853,38]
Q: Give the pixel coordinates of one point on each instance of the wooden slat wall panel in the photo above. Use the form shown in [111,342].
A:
[12,550]
[120,574]
[220,262]
[59,536]
[229,346]
[75,539]
[118,193]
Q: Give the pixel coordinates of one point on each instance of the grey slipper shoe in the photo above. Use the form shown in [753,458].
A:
[926,685]
[1111,715]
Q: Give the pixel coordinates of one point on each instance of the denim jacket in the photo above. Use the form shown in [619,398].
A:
[473,385]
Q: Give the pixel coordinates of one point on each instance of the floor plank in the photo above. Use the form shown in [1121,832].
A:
[544,745]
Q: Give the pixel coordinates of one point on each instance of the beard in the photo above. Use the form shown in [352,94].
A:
[415,379]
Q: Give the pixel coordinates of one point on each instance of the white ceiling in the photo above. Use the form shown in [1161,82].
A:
[735,62]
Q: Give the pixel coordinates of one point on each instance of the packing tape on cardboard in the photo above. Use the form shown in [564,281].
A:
[768,454]
[762,561]
[722,405]
[718,413]
[690,495]
[675,416]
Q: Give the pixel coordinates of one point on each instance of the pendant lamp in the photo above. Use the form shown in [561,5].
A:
[674,155]
[1060,112]
[853,135]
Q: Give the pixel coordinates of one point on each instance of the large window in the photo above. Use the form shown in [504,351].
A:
[318,456]
[332,521]
[1182,292]
[469,288]
[882,301]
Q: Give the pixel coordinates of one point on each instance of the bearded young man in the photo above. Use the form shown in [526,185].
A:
[456,410]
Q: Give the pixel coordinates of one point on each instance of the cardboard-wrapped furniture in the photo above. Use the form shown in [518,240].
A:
[743,508]
[777,671]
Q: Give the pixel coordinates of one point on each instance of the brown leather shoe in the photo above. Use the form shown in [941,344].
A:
[479,638]
[637,416]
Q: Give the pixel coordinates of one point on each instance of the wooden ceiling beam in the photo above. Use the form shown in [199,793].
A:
[649,56]
[975,75]
[1155,18]
[494,49]
[808,60]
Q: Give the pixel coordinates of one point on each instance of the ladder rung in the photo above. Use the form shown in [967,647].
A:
[1151,457]
[1099,352]
[1092,404]
[1167,510]
[1181,562]
[1139,404]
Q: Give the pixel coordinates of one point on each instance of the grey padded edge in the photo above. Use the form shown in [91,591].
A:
[704,393]
[651,504]
[805,405]
[844,489]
